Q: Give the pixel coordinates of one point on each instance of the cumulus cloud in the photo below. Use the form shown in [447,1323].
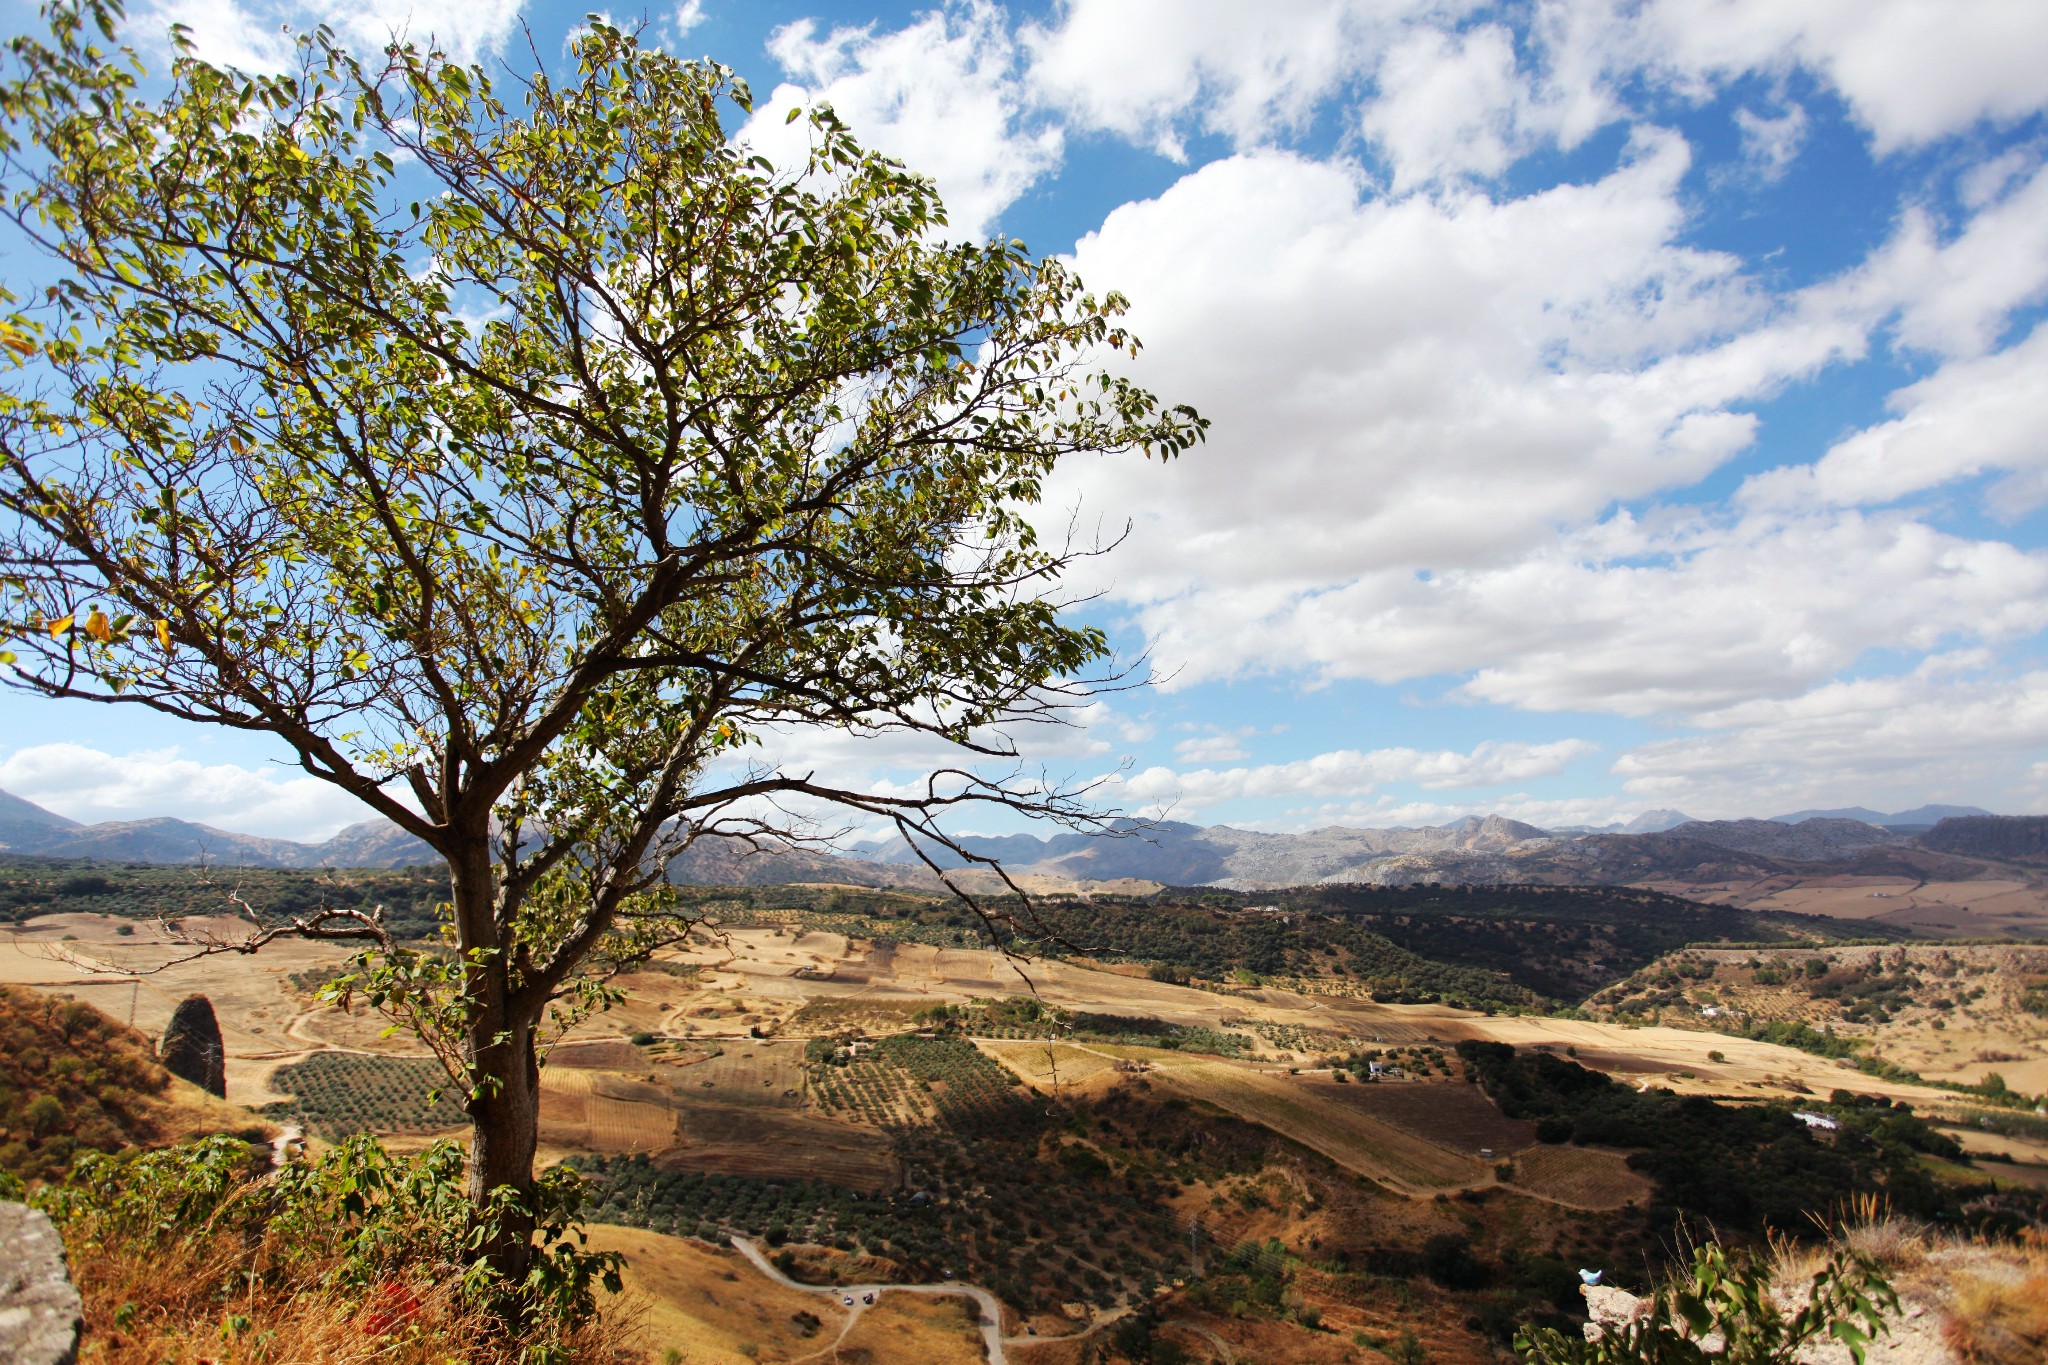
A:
[256,35]
[1987,413]
[944,96]
[1945,730]
[1770,142]
[1143,68]
[1911,71]
[1446,105]
[1355,772]
[90,785]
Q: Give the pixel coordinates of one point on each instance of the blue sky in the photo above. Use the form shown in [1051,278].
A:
[1616,406]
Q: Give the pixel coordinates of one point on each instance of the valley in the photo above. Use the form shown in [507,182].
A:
[1289,1159]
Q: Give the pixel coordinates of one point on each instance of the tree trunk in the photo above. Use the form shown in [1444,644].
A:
[505,1129]
[504,1108]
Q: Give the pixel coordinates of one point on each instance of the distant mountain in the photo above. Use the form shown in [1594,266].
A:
[28,828]
[1808,841]
[1190,855]
[25,826]
[1658,845]
[1656,822]
[1649,822]
[1919,816]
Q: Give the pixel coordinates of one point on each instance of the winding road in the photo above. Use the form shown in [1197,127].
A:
[991,1310]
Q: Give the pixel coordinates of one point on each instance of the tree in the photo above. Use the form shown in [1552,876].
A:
[518,461]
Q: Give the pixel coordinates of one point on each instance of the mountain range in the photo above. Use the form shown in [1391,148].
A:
[1489,849]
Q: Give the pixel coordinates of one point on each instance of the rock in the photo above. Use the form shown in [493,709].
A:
[191,1046]
[40,1311]
[1608,1307]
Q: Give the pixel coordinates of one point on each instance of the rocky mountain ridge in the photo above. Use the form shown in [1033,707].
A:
[1489,849]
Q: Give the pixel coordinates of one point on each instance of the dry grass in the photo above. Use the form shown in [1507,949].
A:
[914,1327]
[712,1308]
[1997,1313]
[194,1300]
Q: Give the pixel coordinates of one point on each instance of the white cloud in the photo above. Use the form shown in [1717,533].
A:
[1219,748]
[1446,105]
[89,785]
[1911,71]
[944,96]
[252,34]
[1769,143]
[1947,730]
[1969,417]
[687,16]
[1354,772]
[1139,68]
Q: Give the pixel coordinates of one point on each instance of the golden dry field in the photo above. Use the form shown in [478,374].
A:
[924,1328]
[712,1307]
[1315,1114]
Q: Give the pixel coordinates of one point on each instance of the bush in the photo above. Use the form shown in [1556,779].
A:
[320,1250]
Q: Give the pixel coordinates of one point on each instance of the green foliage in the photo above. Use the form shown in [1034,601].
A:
[58,886]
[1745,1167]
[366,1217]
[1545,939]
[1730,1298]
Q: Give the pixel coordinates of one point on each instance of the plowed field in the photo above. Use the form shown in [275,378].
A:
[1582,1177]
[1450,1114]
[1314,1116]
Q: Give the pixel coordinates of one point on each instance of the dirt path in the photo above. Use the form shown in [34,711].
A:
[991,1310]
[1195,1328]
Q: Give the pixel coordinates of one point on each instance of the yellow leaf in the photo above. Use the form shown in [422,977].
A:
[97,626]
[163,633]
[58,627]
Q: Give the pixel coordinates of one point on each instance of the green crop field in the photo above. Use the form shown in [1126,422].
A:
[338,1094]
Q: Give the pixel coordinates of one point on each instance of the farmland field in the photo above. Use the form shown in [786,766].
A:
[1050,1064]
[748,1072]
[858,1013]
[1450,1114]
[1580,1177]
[600,1112]
[781,1144]
[339,1094]
[1313,1114]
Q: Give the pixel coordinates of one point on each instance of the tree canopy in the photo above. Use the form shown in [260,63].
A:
[519,451]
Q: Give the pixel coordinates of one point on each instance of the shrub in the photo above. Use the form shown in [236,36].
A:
[321,1252]
[1732,1295]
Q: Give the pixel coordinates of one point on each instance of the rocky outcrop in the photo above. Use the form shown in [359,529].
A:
[40,1311]
[192,1047]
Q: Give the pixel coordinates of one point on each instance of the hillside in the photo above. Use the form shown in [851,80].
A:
[73,1080]
[1955,1014]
